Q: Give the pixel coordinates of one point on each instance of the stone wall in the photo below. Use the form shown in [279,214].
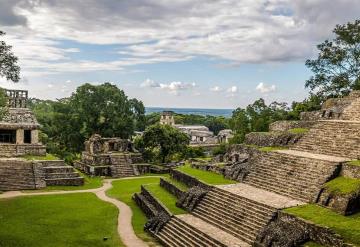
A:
[178,193]
[14,150]
[274,138]
[350,171]
[16,174]
[287,125]
[187,179]
[287,231]
[345,204]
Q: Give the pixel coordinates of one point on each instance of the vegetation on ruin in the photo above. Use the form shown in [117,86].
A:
[166,198]
[123,190]
[270,149]
[298,130]
[178,184]
[205,176]
[355,162]
[336,69]
[79,219]
[347,226]
[311,244]
[41,157]
[343,186]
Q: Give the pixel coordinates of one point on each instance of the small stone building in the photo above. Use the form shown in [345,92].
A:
[109,157]
[167,117]
[19,128]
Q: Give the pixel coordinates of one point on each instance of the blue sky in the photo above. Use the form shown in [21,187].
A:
[179,53]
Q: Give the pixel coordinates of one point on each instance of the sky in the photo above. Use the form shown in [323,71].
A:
[171,53]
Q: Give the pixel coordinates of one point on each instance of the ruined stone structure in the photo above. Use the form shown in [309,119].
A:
[19,131]
[167,117]
[249,213]
[19,128]
[109,157]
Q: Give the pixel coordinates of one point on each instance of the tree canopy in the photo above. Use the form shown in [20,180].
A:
[102,109]
[8,62]
[337,67]
[163,141]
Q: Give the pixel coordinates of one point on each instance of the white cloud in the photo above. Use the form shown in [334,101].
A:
[149,83]
[233,89]
[150,31]
[263,88]
[216,89]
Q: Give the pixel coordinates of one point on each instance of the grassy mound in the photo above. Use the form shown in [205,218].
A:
[39,157]
[355,162]
[298,131]
[58,220]
[205,176]
[165,197]
[343,185]
[347,226]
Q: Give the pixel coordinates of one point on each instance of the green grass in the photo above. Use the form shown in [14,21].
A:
[298,130]
[343,186]
[270,149]
[167,199]
[58,220]
[38,157]
[206,159]
[178,184]
[347,226]
[123,191]
[355,162]
[205,176]
[311,244]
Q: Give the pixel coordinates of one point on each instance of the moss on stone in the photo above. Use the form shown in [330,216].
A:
[270,149]
[39,157]
[347,226]
[355,162]
[298,130]
[343,186]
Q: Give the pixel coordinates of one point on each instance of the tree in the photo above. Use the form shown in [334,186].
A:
[8,62]
[337,67]
[3,102]
[166,139]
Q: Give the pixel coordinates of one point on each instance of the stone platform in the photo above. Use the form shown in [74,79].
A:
[261,196]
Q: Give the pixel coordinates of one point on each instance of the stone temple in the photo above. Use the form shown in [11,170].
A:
[19,128]
[109,157]
[19,137]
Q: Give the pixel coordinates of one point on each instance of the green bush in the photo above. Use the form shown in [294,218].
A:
[220,150]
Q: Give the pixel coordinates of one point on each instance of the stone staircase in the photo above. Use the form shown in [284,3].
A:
[297,177]
[352,111]
[121,166]
[236,215]
[177,233]
[58,173]
[332,137]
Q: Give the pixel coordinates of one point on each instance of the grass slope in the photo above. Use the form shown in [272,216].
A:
[58,220]
[347,226]
[165,197]
[205,176]
[37,157]
[343,185]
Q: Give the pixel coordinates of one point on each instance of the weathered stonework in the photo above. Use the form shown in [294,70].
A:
[289,231]
[350,171]
[274,138]
[287,125]
[178,193]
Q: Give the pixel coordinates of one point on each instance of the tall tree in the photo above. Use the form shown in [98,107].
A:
[8,62]
[337,67]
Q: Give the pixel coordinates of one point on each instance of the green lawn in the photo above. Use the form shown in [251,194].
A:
[347,226]
[123,191]
[178,184]
[165,197]
[343,185]
[58,221]
[205,176]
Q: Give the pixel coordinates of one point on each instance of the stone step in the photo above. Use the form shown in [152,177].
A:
[244,225]
[59,169]
[77,181]
[220,224]
[61,175]
[215,203]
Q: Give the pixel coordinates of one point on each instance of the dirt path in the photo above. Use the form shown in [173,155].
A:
[124,228]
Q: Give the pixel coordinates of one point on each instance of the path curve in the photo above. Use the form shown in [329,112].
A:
[124,228]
